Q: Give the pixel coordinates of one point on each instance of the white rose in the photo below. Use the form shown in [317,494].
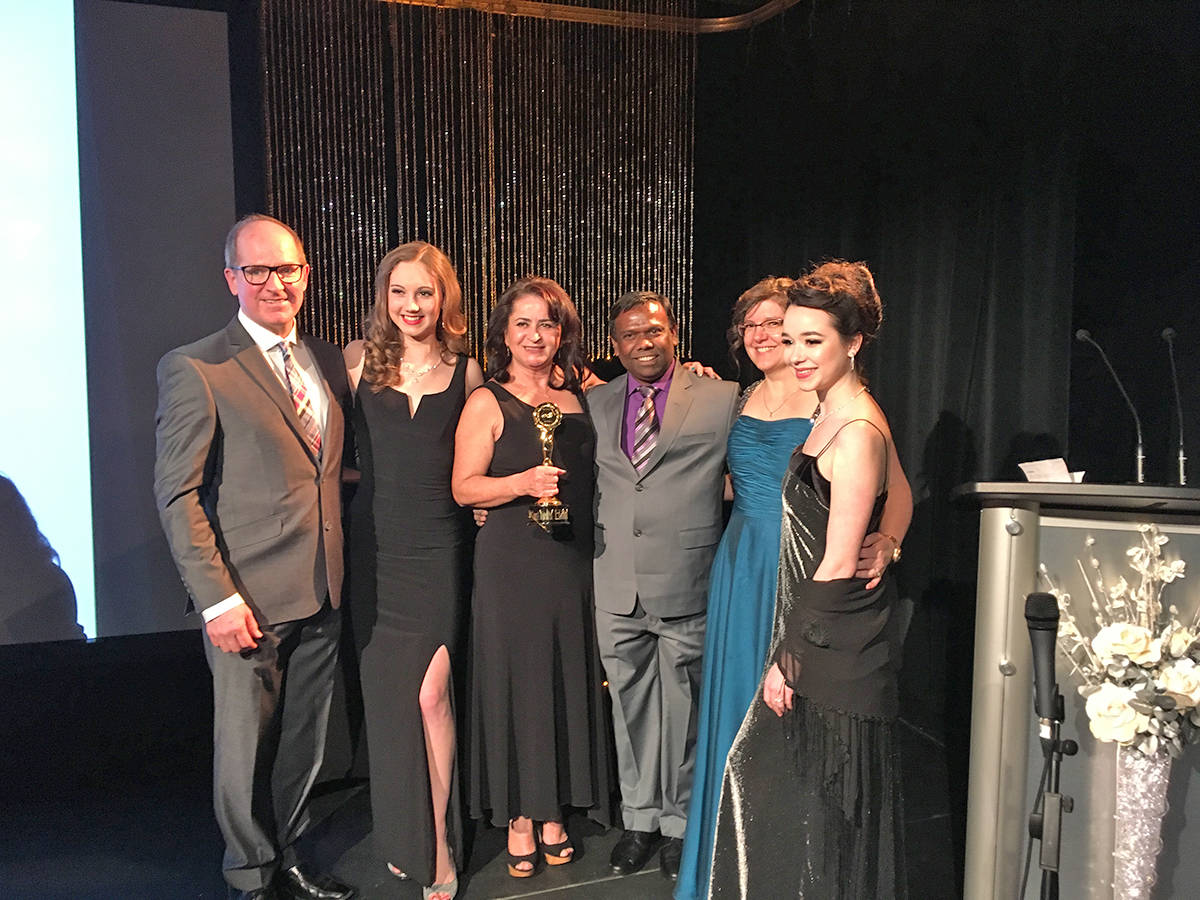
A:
[1111,718]
[1182,682]
[1180,641]
[1123,639]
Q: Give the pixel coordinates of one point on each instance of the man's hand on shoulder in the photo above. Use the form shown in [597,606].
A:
[700,370]
[234,630]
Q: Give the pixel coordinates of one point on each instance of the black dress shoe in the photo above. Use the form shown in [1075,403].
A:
[632,851]
[668,857]
[296,884]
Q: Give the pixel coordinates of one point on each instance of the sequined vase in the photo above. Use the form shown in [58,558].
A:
[1141,804]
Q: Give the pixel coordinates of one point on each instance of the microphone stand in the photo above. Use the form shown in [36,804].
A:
[1140,460]
[1046,826]
[1169,336]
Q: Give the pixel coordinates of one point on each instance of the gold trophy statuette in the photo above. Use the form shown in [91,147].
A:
[548,512]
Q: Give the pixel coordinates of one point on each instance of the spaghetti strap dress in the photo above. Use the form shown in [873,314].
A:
[810,803]
[410,568]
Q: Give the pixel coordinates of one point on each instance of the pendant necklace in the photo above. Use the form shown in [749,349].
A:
[784,402]
[819,414]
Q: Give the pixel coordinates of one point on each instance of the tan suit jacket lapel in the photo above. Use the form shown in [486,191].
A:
[335,423]
[250,358]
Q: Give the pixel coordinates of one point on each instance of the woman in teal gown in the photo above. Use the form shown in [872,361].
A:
[774,419]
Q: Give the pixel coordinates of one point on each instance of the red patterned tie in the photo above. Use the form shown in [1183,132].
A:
[295,385]
[645,429]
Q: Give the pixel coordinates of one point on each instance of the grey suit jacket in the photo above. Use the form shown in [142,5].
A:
[656,533]
[245,504]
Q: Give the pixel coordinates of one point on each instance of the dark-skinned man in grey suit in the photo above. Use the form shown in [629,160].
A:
[660,464]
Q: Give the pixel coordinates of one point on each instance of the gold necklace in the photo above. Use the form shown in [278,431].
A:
[782,404]
[818,415]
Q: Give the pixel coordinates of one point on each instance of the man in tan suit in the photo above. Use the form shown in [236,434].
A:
[247,480]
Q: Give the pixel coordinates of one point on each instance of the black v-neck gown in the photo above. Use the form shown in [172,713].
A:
[410,570]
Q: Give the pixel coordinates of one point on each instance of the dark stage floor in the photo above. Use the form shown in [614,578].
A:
[105,762]
[158,840]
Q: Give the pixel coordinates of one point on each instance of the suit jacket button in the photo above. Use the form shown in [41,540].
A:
[639,487]
[637,532]
[328,526]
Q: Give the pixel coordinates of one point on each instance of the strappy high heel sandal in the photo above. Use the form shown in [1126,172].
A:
[557,854]
[449,889]
[515,861]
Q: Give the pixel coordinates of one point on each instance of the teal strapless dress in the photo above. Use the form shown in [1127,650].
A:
[741,612]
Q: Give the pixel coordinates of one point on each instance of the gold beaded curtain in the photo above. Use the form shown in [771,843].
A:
[325,99]
[518,146]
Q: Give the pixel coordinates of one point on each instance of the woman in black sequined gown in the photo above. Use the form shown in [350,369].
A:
[810,802]
[410,557]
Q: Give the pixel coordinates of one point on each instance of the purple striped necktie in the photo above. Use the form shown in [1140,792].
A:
[645,429]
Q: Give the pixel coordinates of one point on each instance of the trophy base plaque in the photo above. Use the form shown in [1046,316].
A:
[549,515]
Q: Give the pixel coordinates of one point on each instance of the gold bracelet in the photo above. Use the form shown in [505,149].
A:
[896,553]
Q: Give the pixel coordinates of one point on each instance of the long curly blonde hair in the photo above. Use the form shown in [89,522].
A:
[384,345]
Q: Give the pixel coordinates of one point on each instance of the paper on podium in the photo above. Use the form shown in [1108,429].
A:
[1050,470]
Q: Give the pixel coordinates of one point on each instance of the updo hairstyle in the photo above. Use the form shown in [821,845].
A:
[845,290]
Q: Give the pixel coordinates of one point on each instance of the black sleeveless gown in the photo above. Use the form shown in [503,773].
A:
[810,803]
[410,546]
[537,729]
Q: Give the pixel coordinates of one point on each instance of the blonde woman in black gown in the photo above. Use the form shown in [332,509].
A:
[410,546]
[537,736]
[810,803]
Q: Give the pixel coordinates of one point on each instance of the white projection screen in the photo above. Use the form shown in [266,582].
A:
[116,189]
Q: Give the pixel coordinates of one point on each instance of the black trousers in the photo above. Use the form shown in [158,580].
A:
[270,716]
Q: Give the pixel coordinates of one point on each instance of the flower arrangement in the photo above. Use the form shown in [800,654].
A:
[1141,668]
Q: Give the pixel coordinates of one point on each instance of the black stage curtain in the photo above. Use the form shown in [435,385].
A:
[939,151]
[1138,242]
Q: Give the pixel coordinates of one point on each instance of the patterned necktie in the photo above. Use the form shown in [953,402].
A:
[645,429]
[295,386]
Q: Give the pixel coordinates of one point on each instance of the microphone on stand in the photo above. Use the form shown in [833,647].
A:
[1086,337]
[1045,822]
[1041,616]
[1169,336]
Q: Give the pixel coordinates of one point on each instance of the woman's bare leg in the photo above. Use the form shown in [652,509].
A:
[438,720]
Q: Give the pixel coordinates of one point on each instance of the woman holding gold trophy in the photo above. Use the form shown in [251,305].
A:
[524,451]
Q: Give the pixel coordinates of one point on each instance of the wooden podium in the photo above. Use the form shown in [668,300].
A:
[1022,526]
